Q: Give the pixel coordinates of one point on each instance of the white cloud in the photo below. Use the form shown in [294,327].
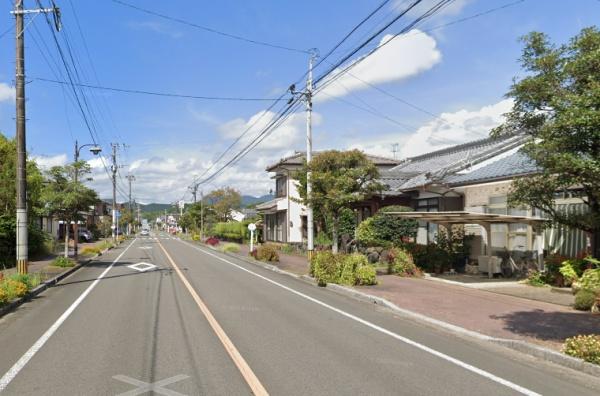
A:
[403,57]
[447,130]
[47,162]
[7,93]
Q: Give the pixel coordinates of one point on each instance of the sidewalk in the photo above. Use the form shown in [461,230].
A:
[287,262]
[486,312]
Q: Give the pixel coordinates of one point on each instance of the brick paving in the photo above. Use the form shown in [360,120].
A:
[486,312]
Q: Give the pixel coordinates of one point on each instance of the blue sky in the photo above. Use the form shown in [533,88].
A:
[459,73]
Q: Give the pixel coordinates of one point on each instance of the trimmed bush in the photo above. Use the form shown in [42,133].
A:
[324,267]
[267,252]
[62,261]
[400,262]
[590,280]
[584,300]
[586,347]
[231,248]
[385,230]
[366,275]
[344,269]
[212,241]
[231,231]
[196,237]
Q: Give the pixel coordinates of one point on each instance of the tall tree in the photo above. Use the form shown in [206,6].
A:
[65,198]
[339,179]
[557,103]
[223,201]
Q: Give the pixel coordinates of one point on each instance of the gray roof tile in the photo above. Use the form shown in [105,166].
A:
[513,165]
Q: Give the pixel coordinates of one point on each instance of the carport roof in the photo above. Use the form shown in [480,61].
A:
[461,217]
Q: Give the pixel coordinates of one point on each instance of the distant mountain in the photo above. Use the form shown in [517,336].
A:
[251,200]
[156,207]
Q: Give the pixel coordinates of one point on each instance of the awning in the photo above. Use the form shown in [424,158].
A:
[462,217]
[268,207]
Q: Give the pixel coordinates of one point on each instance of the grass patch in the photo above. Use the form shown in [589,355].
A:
[231,248]
[63,262]
[17,285]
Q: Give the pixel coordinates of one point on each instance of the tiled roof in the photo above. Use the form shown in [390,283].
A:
[297,159]
[514,165]
[436,166]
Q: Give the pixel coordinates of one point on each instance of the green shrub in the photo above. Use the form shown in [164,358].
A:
[349,265]
[232,231]
[590,280]
[30,280]
[584,300]
[535,278]
[586,347]
[62,261]
[568,272]
[401,262]
[267,252]
[323,240]
[196,237]
[366,275]
[385,230]
[287,249]
[3,296]
[231,248]
[324,267]
[13,289]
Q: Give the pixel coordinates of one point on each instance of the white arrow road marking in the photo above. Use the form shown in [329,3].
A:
[156,387]
[142,266]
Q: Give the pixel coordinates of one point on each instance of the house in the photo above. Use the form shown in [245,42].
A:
[242,214]
[284,217]
[476,177]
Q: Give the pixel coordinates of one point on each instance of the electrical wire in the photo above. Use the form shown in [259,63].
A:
[208,29]
[166,94]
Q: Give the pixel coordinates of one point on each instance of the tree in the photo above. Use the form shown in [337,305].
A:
[339,178]
[223,201]
[65,198]
[557,104]
[8,170]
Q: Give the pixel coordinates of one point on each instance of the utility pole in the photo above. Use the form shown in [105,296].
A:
[395,149]
[194,189]
[201,214]
[21,187]
[130,178]
[309,210]
[114,169]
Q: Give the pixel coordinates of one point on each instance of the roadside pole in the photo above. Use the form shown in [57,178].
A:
[22,245]
[114,192]
[309,210]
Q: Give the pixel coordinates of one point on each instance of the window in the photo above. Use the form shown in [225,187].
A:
[281,187]
[427,230]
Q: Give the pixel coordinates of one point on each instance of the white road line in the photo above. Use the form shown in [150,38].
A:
[380,329]
[18,366]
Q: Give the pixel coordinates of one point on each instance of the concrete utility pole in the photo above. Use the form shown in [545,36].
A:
[130,178]
[194,189]
[310,247]
[21,199]
[201,214]
[114,169]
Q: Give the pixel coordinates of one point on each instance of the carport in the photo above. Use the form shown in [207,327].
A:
[485,220]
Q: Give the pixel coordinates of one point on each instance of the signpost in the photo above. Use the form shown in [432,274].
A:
[252,228]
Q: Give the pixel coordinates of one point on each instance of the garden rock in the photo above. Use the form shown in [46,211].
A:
[373,257]
[384,256]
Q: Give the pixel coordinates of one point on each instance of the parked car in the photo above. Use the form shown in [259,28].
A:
[145,232]
[85,235]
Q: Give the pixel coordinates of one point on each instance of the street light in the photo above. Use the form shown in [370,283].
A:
[94,149]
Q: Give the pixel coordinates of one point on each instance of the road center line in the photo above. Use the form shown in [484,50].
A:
[252,380]
[380,329]
[18,366]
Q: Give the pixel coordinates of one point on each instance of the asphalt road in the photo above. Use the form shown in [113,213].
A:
[204,323]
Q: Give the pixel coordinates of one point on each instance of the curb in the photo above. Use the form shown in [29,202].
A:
[45,285]
[517,345]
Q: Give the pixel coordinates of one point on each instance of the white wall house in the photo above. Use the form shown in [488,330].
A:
[284,217]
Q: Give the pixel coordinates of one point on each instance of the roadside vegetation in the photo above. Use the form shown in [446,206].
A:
[344,269]
[586,347]
[15,286]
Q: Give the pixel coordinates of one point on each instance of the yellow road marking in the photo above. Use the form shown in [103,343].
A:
[253,381]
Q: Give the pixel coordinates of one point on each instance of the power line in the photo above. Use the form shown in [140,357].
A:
[208,29]
[165,94]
